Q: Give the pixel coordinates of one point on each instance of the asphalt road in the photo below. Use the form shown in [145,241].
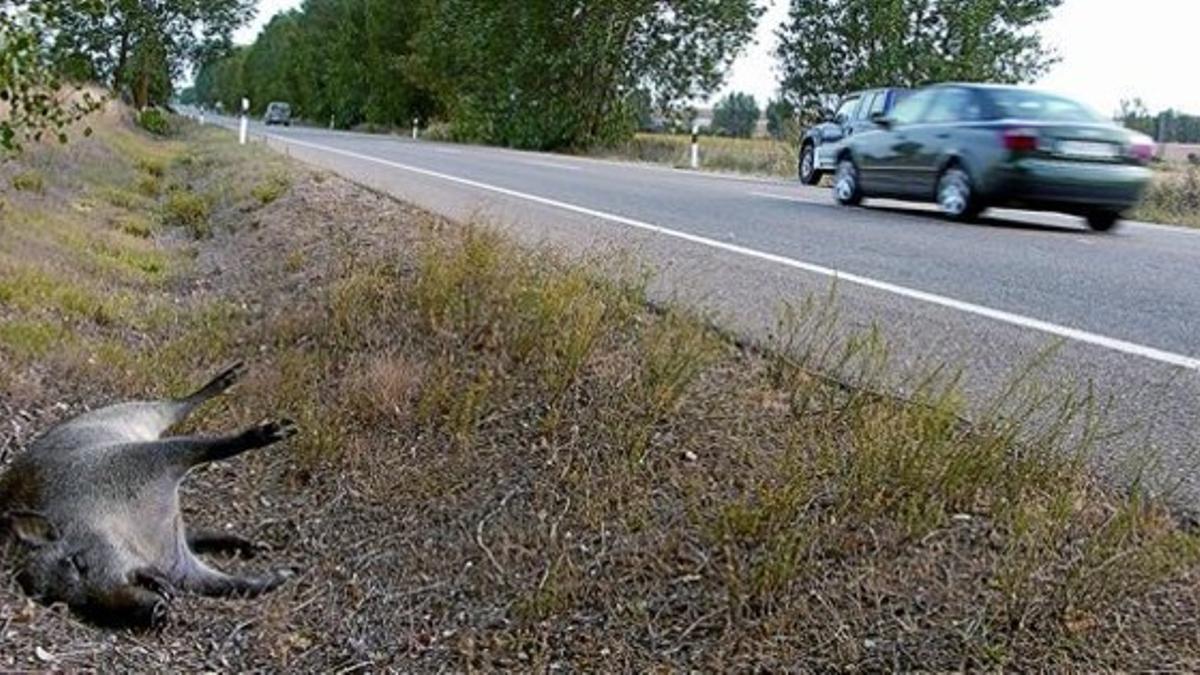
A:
[1124,308]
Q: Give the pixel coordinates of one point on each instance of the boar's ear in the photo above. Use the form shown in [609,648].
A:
[30,527]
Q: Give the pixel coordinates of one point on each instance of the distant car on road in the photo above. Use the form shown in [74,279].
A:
[278,112]
[969,146]
[853,115]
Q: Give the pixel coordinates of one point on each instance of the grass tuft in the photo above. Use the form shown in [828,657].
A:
[271,188]
[30,180]
[190,211]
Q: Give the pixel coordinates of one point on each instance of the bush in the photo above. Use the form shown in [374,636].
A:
[155,121]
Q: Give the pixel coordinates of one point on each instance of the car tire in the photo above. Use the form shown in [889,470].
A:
[809,174]
[847,187]
[1103,221]
[956,197]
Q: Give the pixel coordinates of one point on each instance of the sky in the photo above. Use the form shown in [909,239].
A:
[1110,49]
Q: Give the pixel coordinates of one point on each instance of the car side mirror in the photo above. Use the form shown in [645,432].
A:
[882,120]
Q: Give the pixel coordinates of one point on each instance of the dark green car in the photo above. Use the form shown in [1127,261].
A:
[968,147]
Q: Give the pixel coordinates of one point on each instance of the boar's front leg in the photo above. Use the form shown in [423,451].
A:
[141,602]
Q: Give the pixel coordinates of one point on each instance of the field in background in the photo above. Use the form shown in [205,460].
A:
[1179,152]
[509,461]
[760,156]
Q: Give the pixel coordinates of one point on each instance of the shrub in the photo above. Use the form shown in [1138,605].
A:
[155,121]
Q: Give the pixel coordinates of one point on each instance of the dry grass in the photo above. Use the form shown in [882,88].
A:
[510,463]
[1173,197]
[760,156]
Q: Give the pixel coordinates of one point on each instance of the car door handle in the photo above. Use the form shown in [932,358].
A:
[944,135]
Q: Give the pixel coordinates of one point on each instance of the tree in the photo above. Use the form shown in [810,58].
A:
[34,101]
[548,74]
[140,46]
[830,47]
[1134,114]
[736,115]
[781,119]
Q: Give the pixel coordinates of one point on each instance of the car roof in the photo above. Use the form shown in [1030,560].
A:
[860,92]
[983,86]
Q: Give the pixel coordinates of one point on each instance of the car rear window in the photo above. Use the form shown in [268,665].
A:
[911,110]
[954,105]
[1041,107]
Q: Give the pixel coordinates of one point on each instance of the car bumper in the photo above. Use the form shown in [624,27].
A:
[1070,186]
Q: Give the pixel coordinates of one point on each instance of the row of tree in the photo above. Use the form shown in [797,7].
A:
[562,73]
[737,114]
[539,74]
[1169,126]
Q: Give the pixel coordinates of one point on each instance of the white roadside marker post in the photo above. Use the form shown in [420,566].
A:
[244,129]
[416,127]
[695,146]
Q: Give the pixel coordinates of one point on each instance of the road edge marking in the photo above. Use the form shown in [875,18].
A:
[1002,316]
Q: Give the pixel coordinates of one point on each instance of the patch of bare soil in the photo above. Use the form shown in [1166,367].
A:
[507,465]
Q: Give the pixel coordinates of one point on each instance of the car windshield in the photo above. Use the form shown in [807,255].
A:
[846,110]
[1038,106]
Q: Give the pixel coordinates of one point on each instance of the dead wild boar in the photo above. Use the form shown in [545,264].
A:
[93,505]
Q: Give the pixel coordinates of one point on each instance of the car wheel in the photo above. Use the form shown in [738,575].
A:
[956,195]
[847,189]
[1103,221]
[809,175]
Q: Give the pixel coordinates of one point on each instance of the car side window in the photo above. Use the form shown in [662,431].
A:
[868,102]
[879,105]
[912,109]
[954,105]
[846,112]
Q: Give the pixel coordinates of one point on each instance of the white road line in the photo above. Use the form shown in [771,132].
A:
[552,165]
[788,198]
[1114,344]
